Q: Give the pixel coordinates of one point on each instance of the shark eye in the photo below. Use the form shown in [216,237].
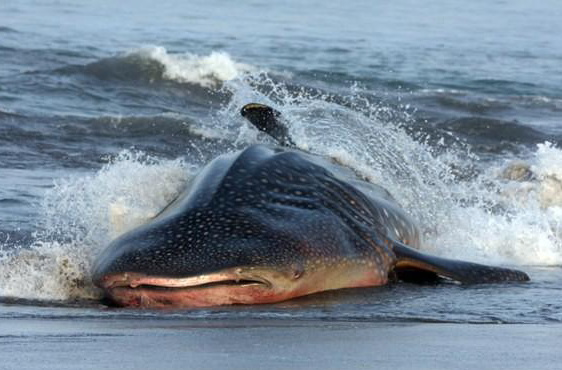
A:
[298,271]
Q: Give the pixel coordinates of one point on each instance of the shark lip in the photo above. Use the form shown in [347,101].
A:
[231,286]
[236,285]
[136,280]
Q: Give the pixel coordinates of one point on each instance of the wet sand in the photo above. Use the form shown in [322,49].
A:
[273,344]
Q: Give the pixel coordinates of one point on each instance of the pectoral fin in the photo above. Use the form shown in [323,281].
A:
[413,265]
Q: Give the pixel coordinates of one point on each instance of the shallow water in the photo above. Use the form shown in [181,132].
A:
[445,303]
[107,110]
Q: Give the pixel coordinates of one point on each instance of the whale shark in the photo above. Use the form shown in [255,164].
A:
[270,223]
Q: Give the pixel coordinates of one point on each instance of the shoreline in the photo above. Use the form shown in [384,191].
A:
[273,344]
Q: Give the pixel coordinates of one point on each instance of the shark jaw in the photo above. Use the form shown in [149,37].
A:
[240,285]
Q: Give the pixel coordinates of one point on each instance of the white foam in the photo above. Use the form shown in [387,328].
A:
[462,219]
[208,132]
[205,70]
[80,216]
[46,271]
[548,169]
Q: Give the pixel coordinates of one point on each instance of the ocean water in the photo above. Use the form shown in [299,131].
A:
[108,109]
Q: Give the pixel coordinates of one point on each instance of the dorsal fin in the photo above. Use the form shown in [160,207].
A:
[266,119]
[410,260]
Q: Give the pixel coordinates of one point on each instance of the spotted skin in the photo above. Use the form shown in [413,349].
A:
[261,225]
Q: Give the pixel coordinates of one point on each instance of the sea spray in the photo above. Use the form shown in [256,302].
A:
[461,216]
[80,216]
[457,199]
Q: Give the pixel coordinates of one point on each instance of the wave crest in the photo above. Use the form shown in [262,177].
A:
[155,63]
[207,70]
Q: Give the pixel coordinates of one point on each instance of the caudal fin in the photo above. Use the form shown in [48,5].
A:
[410,260]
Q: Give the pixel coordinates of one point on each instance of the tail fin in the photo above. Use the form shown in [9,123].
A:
[265,119]
[409,260]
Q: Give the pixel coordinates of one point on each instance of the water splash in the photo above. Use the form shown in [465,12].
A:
[475,216]
[80,215]
[458,200]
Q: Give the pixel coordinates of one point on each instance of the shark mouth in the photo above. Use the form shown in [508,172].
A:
[226,287]
[136,280]
[239,285]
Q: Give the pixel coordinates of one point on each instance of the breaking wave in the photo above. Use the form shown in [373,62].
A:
[155,63]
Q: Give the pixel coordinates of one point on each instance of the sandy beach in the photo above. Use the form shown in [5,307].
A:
[273,344]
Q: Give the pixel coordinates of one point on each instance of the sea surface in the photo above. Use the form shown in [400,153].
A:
[108,109]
